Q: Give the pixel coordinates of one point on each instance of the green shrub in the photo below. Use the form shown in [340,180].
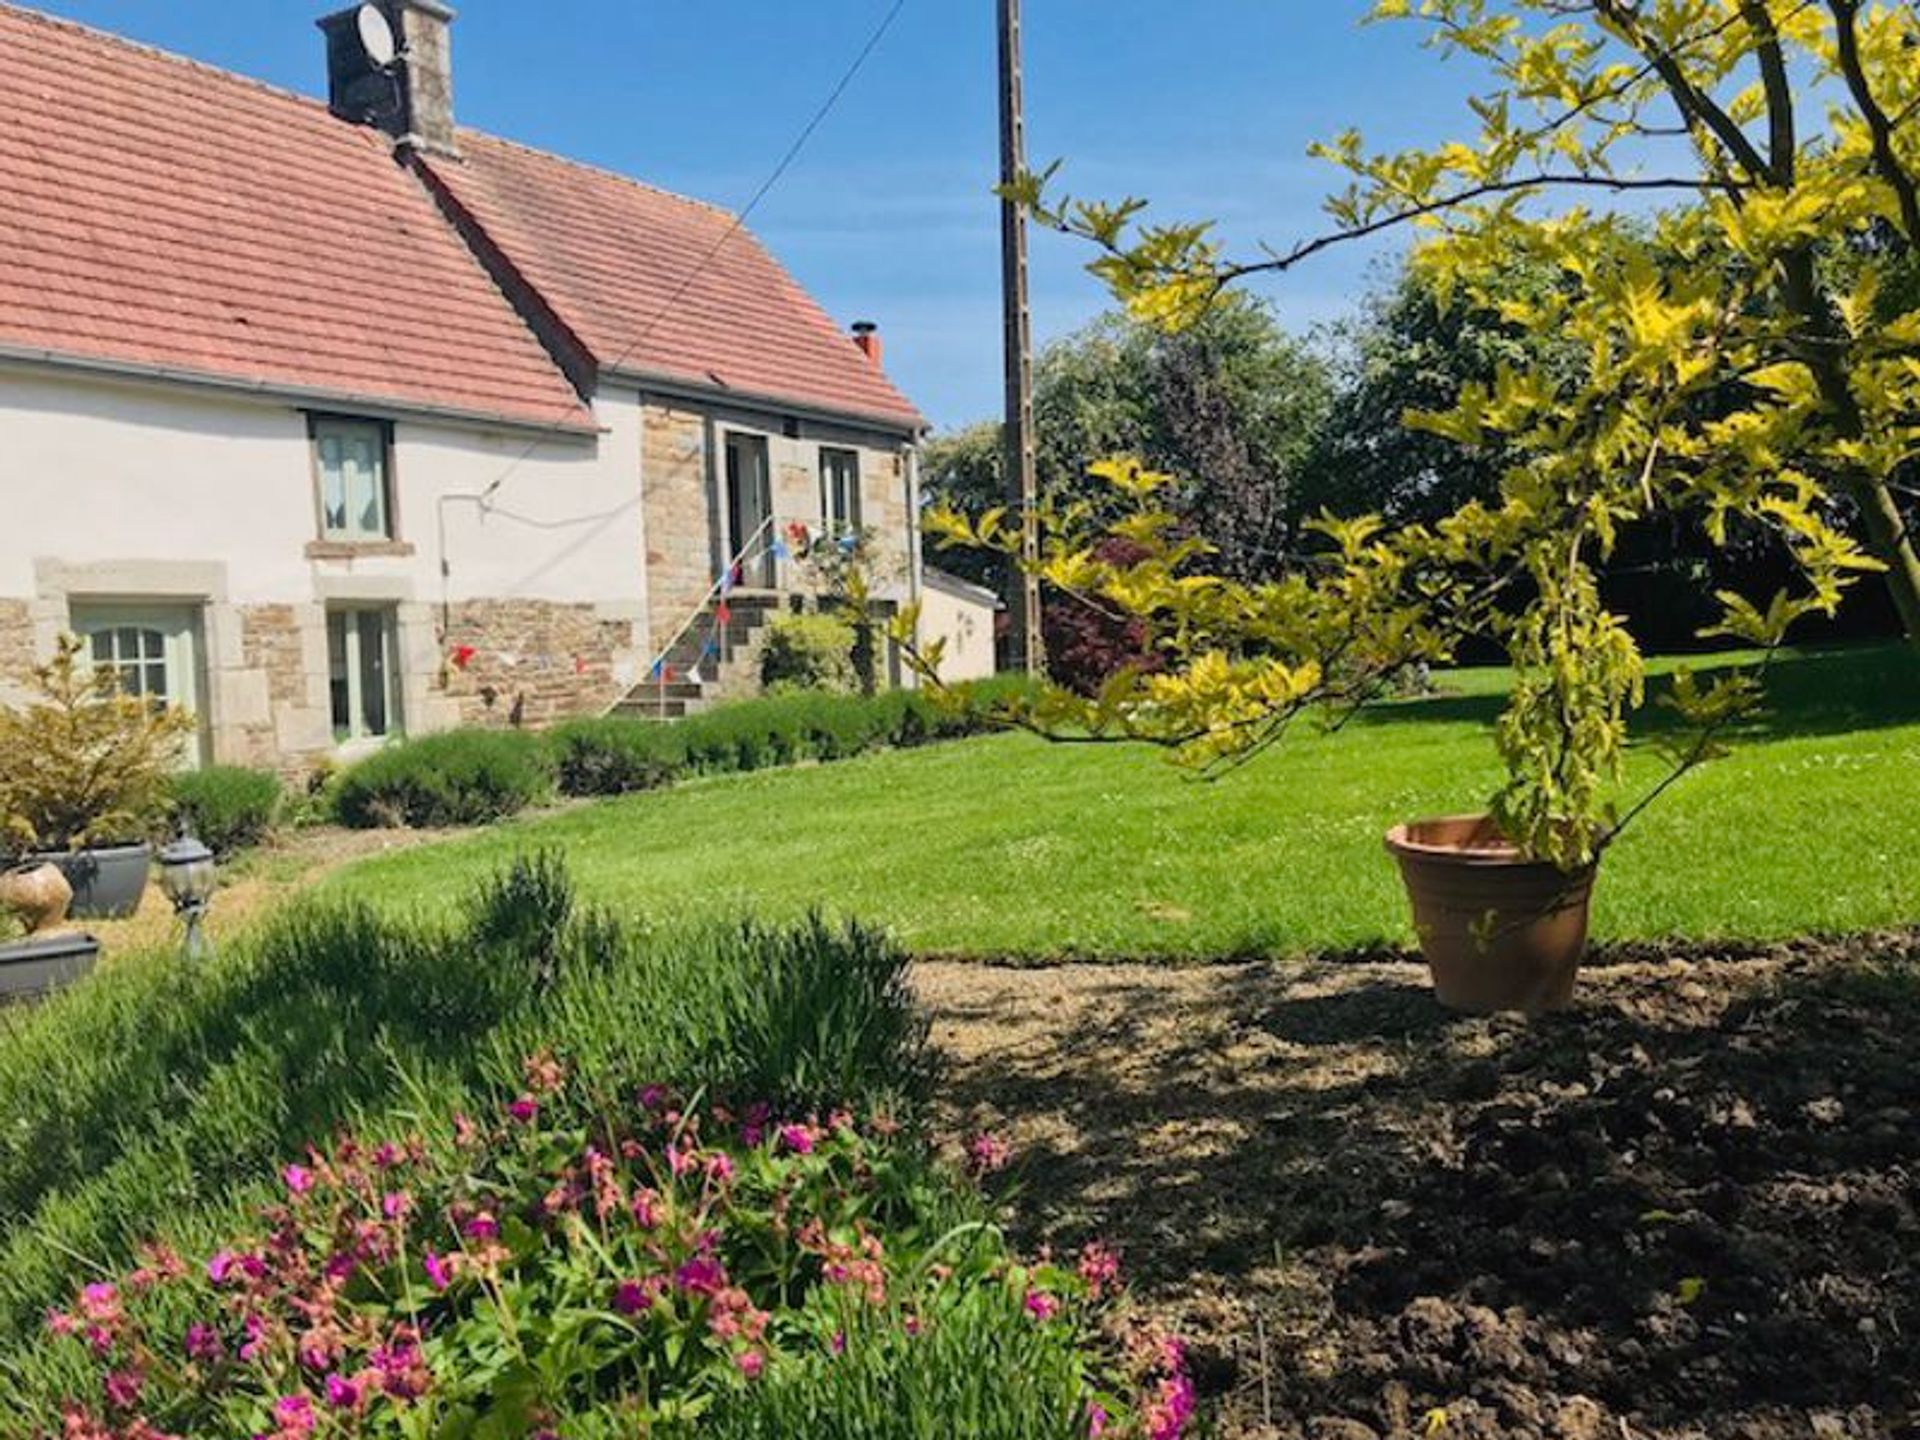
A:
[807,652]
[462,777]
[228,807]
[615,756]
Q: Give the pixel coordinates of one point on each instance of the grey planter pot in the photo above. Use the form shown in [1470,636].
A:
[107,882]
[31,968]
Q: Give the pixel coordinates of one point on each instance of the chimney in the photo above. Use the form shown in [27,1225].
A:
[866,335]
[409,97]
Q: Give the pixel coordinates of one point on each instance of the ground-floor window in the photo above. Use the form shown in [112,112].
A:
[153,651]
[363,672]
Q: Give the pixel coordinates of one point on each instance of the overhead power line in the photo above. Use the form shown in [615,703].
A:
[740,219]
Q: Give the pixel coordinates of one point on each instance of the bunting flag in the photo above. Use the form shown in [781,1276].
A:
[658,668]
[579,664]
[723,612]
[780,550]
[694,677]
[463,656]
[733,576]
[712,647]
[848,543]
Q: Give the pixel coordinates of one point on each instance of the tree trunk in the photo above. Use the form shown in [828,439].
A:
[1889,542]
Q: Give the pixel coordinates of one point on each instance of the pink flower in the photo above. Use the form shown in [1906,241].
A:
[720,1168]
[342,1393]
[988,1153]
[100,1303]
[646,1209]
[1096,1420]
[465,1132]
[395,1204]
[299,1179]
[123,1389]
[1099,1268]
[751,1363]
[438,1273]
[838,1344]
[220,1267]
[481,1227]
[524,1109]
[653,1097]
[1041,1306]
[295,1414]
[797,1138]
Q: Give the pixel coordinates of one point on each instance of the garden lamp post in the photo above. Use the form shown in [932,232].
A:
[187,877]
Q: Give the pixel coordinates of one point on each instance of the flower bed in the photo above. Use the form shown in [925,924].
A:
[581,1267]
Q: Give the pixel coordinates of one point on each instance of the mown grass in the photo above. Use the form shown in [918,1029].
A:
[158,1099]
[1009,846]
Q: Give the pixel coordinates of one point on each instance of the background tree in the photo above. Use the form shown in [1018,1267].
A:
[1790,130]
[1233,404]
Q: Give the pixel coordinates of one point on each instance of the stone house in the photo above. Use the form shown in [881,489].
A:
[336,421]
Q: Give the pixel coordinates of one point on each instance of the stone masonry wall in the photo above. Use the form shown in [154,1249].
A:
[678,527]
[16,645]
[536,662]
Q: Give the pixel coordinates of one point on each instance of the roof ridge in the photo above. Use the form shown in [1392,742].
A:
[592,169]
[156,52]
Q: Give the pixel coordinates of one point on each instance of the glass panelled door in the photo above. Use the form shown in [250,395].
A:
[153,651]
[749,504]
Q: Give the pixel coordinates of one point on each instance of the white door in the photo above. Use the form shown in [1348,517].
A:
[153,650]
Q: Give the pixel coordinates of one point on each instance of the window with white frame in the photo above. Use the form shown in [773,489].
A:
[363,673]
[840,490]
[350,462]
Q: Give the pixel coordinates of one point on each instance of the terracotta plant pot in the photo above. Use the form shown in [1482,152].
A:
[37,893]
[1498,932]
[107,882]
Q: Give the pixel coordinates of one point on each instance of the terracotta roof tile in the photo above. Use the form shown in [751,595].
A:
[165,213]
[610,256]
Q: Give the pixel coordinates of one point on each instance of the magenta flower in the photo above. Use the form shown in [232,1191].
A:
[701,1276]
[630,1297]
[751,1363]
[299,1179]
[1099,1268]
[720,1167]
[342,1393]
[482,1227]
[646,1209]
[203,1342]
[524,1109]
[1096,1420]
[653,1097]
[1041,1305]
[295,1414]
[797,1138]
[439,1275]
[395,1204]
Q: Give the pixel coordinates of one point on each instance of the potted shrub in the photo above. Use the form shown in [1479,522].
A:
[1500,897]
[84,780]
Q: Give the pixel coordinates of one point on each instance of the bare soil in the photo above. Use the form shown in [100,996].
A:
[1688,1207]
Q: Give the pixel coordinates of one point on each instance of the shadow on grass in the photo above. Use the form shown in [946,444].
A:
[1692,1201]
[1810,692]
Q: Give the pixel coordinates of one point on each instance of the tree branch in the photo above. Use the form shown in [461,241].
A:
[1879,126]
[1692,100]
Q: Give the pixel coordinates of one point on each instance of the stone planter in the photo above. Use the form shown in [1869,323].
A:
[1498,932]
[108,881]
[34,967]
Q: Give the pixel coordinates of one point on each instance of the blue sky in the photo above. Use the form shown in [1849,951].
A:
[1205,106]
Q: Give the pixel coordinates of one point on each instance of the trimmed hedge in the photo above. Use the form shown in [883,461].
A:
[616,756]
[229,807]
[471,777]
[461,777]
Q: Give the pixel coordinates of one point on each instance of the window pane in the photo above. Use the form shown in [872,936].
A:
[352,460]
[103,647]
[156,682]
[339,681]
[373,672]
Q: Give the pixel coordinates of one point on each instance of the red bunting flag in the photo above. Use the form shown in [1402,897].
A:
[463,656]
[723,613]
[579,664]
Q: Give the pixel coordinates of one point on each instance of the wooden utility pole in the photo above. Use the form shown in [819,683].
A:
[1023,590]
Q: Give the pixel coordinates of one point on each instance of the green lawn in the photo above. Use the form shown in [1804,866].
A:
[1011,846]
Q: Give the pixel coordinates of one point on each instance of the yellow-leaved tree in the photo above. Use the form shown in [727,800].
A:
[1752,355]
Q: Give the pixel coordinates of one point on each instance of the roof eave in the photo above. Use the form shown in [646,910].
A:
[659,382]
[372,405]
